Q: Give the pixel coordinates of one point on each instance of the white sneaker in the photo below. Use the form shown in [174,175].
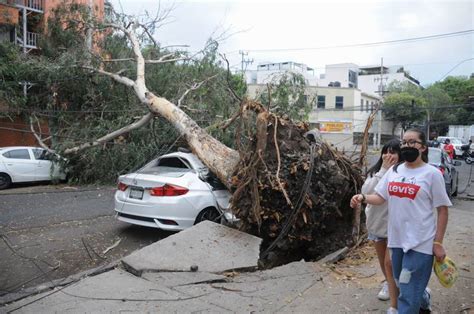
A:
[428,309]
[383,294]
[392,310]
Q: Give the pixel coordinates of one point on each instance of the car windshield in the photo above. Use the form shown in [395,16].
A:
[456,141]
[434,156]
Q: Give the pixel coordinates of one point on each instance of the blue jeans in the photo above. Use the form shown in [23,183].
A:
[411,271]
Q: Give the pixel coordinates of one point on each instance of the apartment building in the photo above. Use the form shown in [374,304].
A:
[266,72]
[369,79]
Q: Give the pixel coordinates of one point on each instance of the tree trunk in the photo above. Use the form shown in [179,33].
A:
[220,159]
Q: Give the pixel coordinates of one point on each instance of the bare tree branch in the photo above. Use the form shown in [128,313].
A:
[38,138]
[192,88]
[229,86]
[135,125]
[161,60]
[121,79]
[165,59]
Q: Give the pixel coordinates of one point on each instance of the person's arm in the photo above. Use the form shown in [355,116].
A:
[438,249]
[372,199]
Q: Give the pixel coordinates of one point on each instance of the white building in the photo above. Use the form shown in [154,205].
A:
[366,78]
[266,72]
[341,113]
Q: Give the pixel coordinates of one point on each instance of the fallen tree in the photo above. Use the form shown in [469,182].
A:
[290,190]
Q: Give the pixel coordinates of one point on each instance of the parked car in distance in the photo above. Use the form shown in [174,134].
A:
[28,164]
[172,192]
[457,143]
[447,166]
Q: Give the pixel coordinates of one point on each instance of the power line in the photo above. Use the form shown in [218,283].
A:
[369,44]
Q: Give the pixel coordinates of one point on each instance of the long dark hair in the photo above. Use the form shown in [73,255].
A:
[393,146]
[422,137]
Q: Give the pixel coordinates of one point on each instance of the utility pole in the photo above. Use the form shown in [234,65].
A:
[381,92]
[244,62]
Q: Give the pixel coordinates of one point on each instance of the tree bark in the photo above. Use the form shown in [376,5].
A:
[220,159]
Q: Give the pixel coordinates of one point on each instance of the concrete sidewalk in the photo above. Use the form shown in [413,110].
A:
[349,286]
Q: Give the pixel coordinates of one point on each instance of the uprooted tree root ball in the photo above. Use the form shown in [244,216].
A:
[293,193]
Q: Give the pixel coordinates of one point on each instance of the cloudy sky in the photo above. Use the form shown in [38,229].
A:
[315,32]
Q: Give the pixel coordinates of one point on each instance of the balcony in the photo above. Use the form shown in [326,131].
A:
[31,40]
[31,5]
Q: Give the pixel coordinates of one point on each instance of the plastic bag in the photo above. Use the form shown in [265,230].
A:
[446,271]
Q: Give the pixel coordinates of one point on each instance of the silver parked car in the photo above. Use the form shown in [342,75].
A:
[28,164]
[447,166]
[172,192]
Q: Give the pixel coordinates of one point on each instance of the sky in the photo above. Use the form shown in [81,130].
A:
[312,32]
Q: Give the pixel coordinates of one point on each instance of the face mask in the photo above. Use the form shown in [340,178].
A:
[409,154]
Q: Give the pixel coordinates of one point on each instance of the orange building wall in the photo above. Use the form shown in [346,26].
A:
[8,14]
[17,132]
[49,5]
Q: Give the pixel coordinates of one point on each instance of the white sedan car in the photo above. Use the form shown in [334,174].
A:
[27,164]
[172,192]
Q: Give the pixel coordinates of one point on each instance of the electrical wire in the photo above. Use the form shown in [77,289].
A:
[369,44]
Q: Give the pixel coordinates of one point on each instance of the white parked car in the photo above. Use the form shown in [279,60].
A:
[28,164]
[172,192]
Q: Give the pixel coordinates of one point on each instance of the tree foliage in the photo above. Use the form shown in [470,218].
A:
[80,105]
[440,104]
[285,95]
[460,89]
[403,108]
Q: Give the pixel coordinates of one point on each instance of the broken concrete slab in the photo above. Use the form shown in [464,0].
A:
[174,279]
[273,290]
[112,292]
[48,286]
[211,247]
[335,256]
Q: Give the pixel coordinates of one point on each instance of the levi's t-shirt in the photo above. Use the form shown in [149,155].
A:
[412,194]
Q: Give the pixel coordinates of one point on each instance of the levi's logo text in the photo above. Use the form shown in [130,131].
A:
[402,189]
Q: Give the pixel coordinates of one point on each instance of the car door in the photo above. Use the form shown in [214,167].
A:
[20,164]
[43,164]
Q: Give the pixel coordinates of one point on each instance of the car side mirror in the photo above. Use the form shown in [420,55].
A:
[457,163]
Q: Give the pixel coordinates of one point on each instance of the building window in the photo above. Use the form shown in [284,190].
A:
[361,105]
[339,102]
[372,106]
[366,106]
[352,78]
[321,102]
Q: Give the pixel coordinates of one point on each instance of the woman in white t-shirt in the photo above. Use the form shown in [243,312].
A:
[377,217]
[412,189]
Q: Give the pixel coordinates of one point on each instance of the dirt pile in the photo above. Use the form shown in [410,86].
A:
[293,192]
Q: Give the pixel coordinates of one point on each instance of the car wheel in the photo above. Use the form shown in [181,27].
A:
[455,193]
[209,213]
[5,181]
